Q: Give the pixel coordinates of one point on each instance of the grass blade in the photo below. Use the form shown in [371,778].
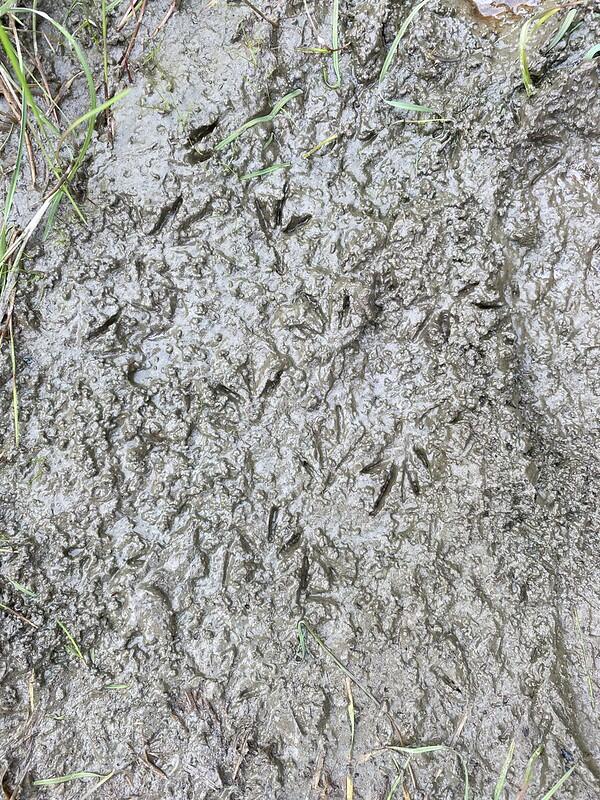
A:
[402,105]
[398,38]
[74,647]
[71,776]
[23,589]
[498,791]
[260,173]
[564,28]
[251,123]
[335,47]
[529,772]
[558,784]
[592,52]
[321,144]
[302,630]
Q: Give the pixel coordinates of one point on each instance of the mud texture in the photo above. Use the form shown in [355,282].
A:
[362,392]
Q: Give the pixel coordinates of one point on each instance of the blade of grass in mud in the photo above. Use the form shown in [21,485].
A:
[335,48]
[92,113]
[320,145]
[100,783]
[528,28]
[260,173]
[398,38]
[529,772]
[251,123]
[564,28]
[558,784]
[20,588]
[74,647]
[403,105]
[395,786]
[499,790]
[302,629]
[71,776]
[91,90]
[592,52]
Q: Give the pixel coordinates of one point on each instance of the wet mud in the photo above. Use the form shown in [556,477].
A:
[361,391]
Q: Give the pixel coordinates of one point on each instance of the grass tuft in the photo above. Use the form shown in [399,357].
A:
[528,29]
[25,90]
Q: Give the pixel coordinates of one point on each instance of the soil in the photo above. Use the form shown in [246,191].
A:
[361,391]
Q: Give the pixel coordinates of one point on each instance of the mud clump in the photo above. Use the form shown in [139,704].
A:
[361,391]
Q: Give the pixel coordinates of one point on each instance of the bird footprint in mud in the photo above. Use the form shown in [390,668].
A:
[407,474]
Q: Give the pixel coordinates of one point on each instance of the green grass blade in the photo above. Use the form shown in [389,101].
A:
[529,772]
[399,36]
[71,776]
[92,113]
[20,588]
[523,60]
[402,105]
[260,173]
[564,28]
[592,52]
[302,630]
[394,787]
[558,784]
[319,145]
[15,63]
[251,123]
[498,791]
[335,46]
[73,644]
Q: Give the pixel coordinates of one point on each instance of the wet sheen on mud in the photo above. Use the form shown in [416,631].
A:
[360,391]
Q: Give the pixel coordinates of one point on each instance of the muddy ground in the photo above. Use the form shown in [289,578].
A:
[362,391]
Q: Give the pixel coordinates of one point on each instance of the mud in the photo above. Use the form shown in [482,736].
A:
[362,392]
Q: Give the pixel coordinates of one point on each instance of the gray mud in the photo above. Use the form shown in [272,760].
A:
[362,392]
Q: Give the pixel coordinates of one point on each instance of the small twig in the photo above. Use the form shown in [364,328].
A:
[259,12]
[19,616]
[124,62]
[170,11]
[145,759]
